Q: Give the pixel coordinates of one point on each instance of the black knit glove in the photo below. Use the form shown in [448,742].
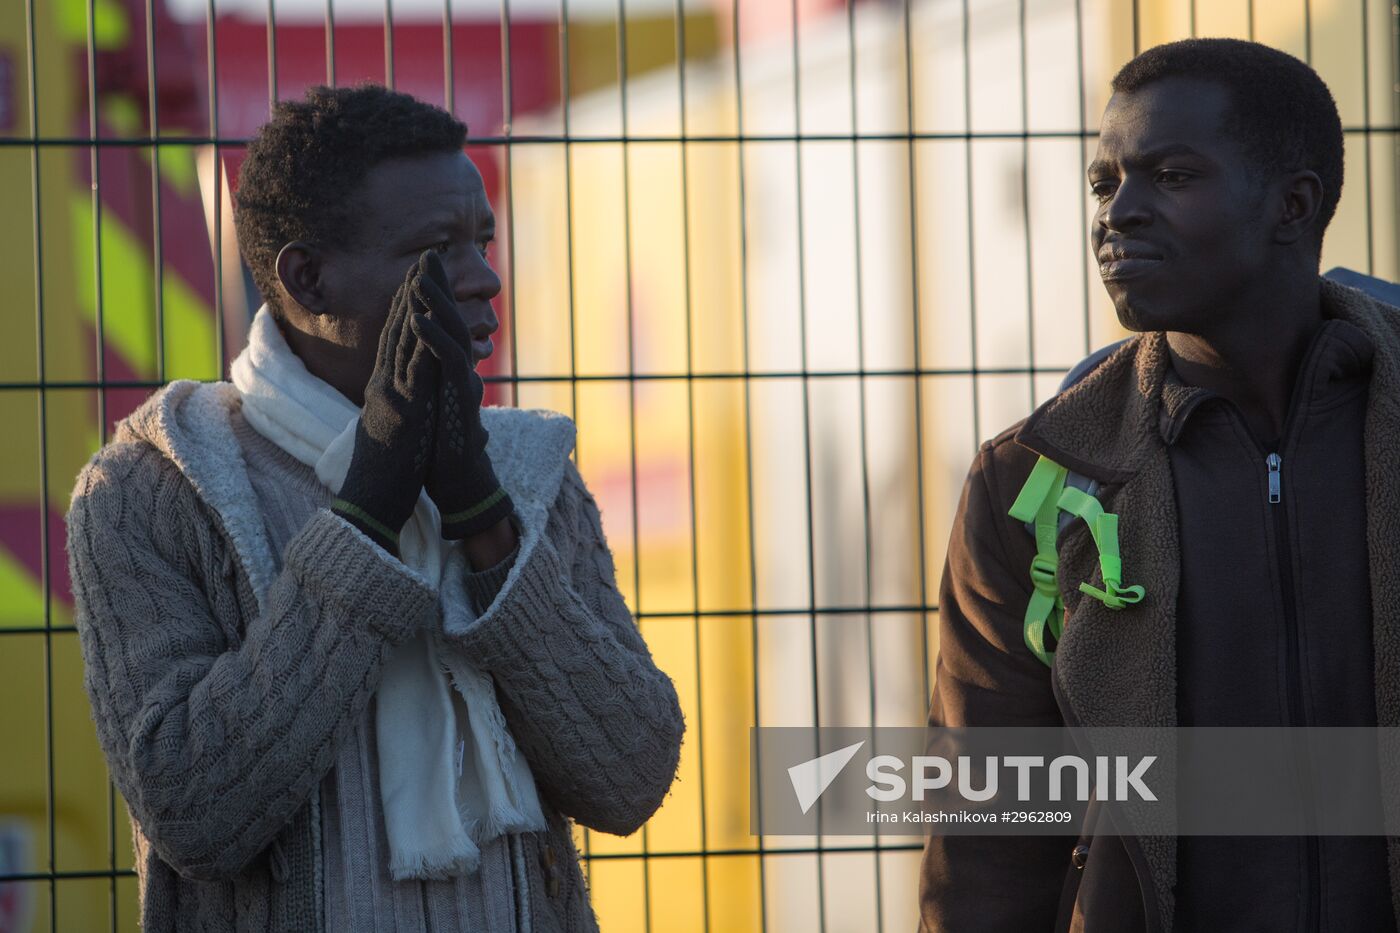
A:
[460,478]
[394,438]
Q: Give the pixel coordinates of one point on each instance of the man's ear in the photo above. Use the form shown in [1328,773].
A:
[299,270]
[1302,202]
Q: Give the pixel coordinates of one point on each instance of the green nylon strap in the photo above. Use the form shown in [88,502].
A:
[1045,475]
[1040,501]
[1104,527]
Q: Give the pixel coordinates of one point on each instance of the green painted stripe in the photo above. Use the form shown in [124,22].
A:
[365,517]
[477,509]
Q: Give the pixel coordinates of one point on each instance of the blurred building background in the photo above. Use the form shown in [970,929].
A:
[785,263]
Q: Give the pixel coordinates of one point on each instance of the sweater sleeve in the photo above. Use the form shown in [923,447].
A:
[599,723]
[484,585]
[218,720]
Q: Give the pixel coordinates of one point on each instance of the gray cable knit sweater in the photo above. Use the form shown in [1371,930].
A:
[223,684]
[358,892]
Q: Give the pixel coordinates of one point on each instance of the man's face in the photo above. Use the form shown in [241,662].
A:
[1181,229]
[403,207]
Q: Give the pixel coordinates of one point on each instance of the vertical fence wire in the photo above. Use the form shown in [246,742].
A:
[389,43]
[681,66]
[271,56]
[1026,194]
[867,621]
[1395,106]
[96,169]
[622,82]
[915,308]
[153,102]
[566,108]
[212,59]
[807,438]
[449,81]
[1307,30]
[1366,139]
[971,222]
[508,132]
[754,640]
[1083,156]
[49,800]
[330,42]
[742,140]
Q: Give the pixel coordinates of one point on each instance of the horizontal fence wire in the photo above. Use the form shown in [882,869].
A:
[753,376]
[876,612]
[803,611]
[640,139]
[599,856]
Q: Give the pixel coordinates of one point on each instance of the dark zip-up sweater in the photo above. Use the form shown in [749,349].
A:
[1274,626]
[1175,658]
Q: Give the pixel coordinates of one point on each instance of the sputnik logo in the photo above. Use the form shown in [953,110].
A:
[811,778]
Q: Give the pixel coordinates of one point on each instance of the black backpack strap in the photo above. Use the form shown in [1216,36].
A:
[1076,373]
[1089,364]
[1379,289]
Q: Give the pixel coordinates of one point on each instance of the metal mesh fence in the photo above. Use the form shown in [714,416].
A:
[784,263]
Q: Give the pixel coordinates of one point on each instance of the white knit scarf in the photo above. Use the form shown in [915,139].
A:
[451,776]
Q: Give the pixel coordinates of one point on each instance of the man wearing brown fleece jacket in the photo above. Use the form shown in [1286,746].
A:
[242,618]
[1248,438]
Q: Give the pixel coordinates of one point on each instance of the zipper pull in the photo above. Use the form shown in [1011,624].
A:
[1274,461]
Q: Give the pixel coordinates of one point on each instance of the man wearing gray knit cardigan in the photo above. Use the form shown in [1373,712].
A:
[235,615]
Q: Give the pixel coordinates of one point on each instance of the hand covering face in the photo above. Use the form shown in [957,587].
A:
[460,479]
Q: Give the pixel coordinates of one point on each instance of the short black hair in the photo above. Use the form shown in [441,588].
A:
[1281,111]
[311,154]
